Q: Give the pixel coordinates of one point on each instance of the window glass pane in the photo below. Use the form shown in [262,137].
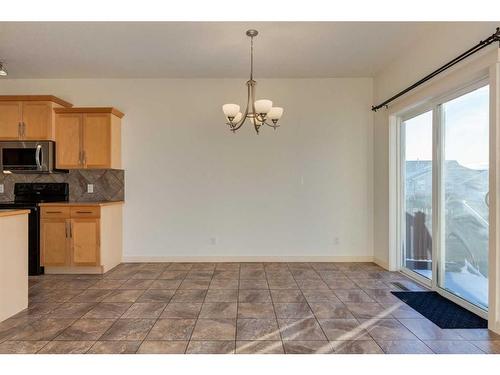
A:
[417,228]
[465,202]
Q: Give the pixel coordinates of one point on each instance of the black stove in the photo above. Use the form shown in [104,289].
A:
[28,196]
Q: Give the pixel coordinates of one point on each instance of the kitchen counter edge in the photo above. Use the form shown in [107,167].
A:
[102,203]
[13,212]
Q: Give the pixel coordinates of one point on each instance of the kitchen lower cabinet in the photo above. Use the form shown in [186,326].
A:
[78,238]
[54,242]
[85,242]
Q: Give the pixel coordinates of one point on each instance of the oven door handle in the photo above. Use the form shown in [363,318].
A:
[37,157]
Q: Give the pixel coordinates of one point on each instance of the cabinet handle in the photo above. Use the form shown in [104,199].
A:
[84,157]
[66,227]
[83,212]
[53,212]
[70,230]
[19,132]
[24,129]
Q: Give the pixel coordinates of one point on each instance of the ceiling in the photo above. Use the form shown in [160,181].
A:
[202,49]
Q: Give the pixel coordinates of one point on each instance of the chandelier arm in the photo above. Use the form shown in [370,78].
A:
[239,124]
[271,125]
[254,118]
[260,118]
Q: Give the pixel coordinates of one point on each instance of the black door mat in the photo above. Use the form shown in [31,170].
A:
[441,311]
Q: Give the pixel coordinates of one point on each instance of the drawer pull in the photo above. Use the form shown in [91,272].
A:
[53,212]
[84,212]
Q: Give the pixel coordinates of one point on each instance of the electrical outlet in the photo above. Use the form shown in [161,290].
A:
[90,188]
[1,189]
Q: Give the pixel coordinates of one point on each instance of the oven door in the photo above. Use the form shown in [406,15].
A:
[26,157]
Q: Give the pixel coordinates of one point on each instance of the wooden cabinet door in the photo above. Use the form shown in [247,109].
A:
[97,140]
[85,240]
[54,242]
[37,120]
[10,119]
[69,140]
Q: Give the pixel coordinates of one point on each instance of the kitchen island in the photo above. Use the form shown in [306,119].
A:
[13,262]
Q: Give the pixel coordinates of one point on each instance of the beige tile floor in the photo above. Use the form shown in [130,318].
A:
[230,308]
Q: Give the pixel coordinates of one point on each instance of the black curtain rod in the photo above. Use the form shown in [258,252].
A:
[482,44]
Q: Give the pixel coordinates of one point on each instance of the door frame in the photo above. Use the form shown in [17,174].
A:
[437,191]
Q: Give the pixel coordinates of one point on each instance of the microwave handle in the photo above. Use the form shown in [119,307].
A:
[37,156]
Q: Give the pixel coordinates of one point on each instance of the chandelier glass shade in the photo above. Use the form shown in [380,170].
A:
[259,112]
[3,70]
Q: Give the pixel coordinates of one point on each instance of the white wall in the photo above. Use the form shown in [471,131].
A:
[188,179]
[443,43]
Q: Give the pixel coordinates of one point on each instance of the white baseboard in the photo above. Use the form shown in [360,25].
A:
[73,270]
[494,326]
[381,263]
[157,258]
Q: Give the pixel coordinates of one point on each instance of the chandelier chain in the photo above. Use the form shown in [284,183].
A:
[251,58]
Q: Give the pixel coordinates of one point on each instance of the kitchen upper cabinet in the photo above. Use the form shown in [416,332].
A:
[54,237]
[38,120]
[10,123]
[97,140]
[88,138]
[28,117]
[69,140]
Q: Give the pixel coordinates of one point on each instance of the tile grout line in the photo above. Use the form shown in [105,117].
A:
[76,319]
[312,311]
[131,304]
[418,338]
[355,317]
[274,310]
[199,312]
[237,307]
[158,317]
[387,282]
[117,319]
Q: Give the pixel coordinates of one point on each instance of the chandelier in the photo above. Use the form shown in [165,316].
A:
[259,112]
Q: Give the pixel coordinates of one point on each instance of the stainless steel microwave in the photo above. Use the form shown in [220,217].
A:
[27,157]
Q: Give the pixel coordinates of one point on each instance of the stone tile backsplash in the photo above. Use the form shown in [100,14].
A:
[109,184]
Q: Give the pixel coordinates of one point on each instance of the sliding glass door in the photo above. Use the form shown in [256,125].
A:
[465,213]
[416,169]
[444,214]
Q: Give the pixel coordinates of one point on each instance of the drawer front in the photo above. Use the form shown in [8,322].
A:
[55,212]
[85,211]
